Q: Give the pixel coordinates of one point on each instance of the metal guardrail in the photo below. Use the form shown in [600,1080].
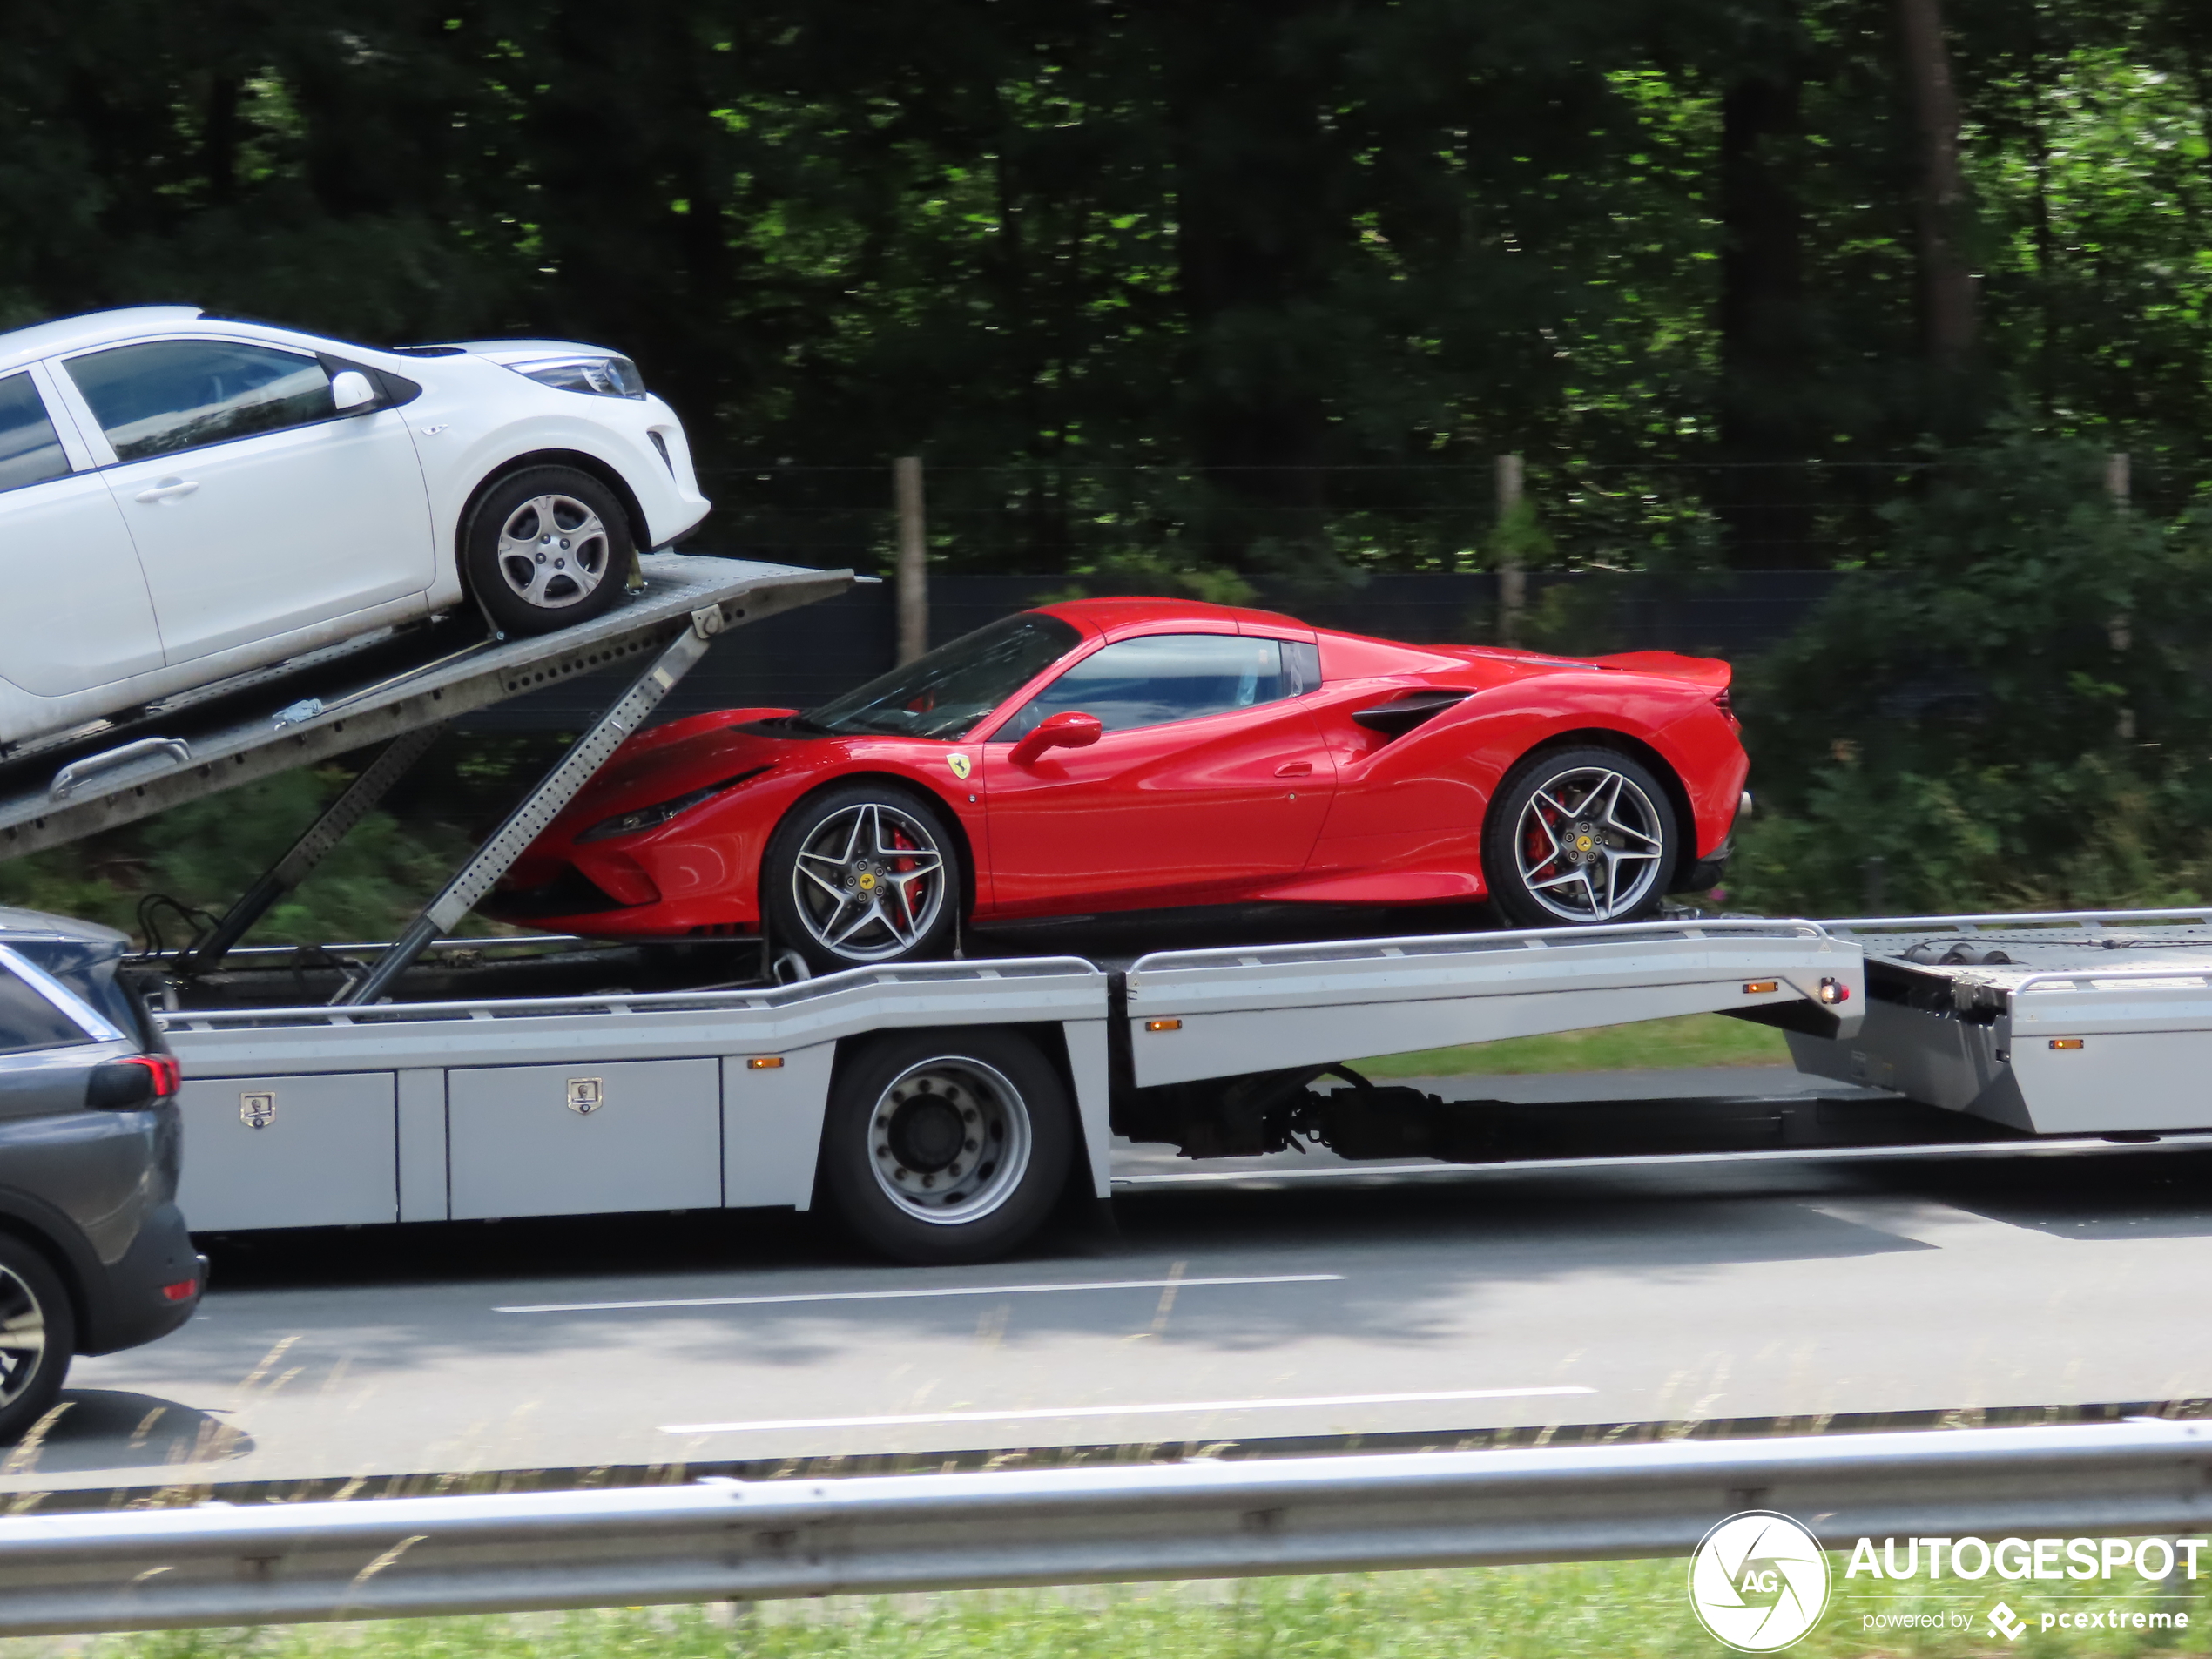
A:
[725,1539]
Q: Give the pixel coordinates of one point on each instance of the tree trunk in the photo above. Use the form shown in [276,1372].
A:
[1763,493]
[1258,225]
[1947,281]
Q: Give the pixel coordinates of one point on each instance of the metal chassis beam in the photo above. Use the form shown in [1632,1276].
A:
[538,808]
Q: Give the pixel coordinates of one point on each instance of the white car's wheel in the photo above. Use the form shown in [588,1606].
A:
[549,547]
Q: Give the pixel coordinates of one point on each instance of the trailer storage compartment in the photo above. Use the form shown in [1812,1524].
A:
[290,1151]
[584,1139]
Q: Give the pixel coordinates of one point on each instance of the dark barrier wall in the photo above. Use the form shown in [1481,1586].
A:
[807,656]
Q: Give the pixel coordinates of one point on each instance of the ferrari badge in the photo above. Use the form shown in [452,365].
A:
[958,764]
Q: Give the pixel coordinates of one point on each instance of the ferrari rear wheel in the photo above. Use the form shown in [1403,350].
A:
[1579,836]
[861,874]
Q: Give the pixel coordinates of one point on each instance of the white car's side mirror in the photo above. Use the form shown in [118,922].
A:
[350,389]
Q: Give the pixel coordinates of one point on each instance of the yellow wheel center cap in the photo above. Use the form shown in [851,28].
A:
[1581,843]
[868,880]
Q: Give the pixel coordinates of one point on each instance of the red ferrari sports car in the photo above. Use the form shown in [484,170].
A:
[1123,754]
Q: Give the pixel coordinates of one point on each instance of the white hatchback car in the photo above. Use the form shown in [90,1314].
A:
[184,497]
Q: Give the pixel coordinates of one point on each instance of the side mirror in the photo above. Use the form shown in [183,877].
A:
[350,389]
[1067,730]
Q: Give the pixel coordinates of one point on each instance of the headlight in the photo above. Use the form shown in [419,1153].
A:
[600,376]
[645,818]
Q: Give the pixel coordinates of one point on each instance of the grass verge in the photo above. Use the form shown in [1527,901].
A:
[1690,1040]
[1601,1610]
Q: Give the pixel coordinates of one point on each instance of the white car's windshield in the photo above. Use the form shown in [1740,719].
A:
[947,693]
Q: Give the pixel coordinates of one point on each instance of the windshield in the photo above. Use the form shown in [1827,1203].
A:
[946,693]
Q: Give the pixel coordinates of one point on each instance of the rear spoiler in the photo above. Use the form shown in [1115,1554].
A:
[1701,671]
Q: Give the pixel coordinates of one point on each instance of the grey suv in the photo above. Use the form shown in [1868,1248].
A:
[93,1253]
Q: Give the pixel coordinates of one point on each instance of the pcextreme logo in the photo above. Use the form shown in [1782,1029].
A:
[1758,1581]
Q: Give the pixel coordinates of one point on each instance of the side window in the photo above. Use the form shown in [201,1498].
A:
[29,451]
[1162,679]
[172,395]
[28,1021]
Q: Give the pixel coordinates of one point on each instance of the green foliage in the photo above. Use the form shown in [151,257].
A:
[204,854]
[1692,1040]
[1274,246]
[1592,1610]
[2011,708]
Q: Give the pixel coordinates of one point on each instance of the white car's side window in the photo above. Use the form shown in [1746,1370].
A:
[31,451]
[169,394]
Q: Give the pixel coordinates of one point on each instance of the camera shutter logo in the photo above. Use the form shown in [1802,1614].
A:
[1758,1581]
[257,1111]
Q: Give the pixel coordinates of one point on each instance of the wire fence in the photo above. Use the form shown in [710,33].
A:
[1428,518]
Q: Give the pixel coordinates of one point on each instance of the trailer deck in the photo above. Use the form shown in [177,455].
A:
[441,1079]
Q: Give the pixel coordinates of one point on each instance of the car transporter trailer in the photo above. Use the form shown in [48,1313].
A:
[947,1107]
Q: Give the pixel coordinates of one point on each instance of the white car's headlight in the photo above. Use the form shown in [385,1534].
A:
[598,376]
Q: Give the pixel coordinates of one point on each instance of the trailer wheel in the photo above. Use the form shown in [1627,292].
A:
[1578,835]
[549,547]
[943,1149]
[38,1335]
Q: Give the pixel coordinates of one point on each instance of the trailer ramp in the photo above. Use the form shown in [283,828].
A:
[394,685]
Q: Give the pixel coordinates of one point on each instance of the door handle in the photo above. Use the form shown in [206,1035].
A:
[167,489]
[1295,769]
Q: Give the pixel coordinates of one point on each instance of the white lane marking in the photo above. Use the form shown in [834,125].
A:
[888,1296]
[911,1419]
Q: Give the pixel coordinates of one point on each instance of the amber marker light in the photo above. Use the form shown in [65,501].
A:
[2066,1043]
[766,1063]
[1760,987]
[1164,1025]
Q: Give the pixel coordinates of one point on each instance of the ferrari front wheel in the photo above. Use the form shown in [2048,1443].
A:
[1579,836]
[859,875]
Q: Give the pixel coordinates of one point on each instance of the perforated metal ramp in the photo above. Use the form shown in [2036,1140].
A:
[371,691]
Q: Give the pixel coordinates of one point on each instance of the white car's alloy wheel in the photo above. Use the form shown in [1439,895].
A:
[553,551]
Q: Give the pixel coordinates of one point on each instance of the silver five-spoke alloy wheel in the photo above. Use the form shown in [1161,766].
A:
[870,881]
[23,1337]
[553,551]
[949,1140]
[1590,843]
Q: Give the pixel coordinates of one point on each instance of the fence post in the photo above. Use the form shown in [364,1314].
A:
[1513,580]
[2120,486]
[913,573]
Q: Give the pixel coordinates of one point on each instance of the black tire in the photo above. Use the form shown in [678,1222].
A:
[31,1301]
[1549,866]
[547,547]
[920,1183]
[884,902]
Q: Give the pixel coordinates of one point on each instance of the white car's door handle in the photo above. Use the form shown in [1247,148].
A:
[167,489]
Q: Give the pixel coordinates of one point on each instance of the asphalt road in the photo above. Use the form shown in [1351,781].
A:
[1261,1307]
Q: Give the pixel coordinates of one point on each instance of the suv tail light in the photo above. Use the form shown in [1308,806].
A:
[138,1080]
